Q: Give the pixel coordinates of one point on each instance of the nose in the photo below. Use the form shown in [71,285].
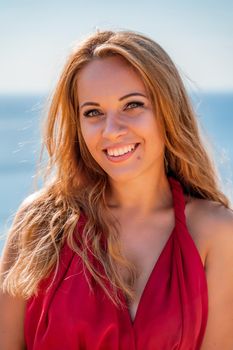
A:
[114,127]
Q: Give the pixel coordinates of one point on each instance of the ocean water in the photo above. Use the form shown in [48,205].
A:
[20,142]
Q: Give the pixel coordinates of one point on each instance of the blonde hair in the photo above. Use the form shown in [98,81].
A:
[43,224]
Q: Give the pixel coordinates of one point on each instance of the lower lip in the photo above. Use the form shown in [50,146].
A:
[117,159]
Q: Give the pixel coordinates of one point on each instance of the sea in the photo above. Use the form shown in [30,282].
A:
[21,120]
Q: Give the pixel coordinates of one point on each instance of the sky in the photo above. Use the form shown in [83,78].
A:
[37,36]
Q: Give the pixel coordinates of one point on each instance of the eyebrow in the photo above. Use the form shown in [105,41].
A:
[120,99]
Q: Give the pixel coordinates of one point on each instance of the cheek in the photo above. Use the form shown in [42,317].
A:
[156,138]
[157,131]
[89,135]
[159,142]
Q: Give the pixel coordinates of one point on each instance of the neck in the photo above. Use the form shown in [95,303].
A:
[141,197]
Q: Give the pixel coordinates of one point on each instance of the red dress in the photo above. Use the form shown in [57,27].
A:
[171,315]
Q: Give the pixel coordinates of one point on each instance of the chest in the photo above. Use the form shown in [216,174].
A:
[142,245]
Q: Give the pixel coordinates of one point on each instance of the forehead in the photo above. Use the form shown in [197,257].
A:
[108,76]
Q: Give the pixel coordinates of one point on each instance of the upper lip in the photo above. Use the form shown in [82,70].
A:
[119,145]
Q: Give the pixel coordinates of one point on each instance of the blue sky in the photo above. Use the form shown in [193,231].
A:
[36,37]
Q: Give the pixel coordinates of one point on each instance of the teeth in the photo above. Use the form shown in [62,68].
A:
[121,151]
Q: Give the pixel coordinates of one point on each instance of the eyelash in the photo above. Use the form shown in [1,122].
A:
[139,104]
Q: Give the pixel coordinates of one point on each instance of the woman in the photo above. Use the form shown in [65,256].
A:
[129,244]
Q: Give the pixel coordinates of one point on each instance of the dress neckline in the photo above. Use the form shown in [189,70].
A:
[179,212]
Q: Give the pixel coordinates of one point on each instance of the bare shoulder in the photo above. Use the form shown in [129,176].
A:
[22,209]
[31,198]
[211,225]
[209,211]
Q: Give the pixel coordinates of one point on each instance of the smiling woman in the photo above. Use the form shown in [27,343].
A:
[129,243]
[122,127]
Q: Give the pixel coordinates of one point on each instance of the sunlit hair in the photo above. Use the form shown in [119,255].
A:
[75,182]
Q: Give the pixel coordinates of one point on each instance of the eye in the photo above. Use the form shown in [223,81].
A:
[91,113]
[94,112]
[134,104]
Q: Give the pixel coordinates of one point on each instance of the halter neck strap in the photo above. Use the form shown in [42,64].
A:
[178,199]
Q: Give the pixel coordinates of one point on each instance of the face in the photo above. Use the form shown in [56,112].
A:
[117,122]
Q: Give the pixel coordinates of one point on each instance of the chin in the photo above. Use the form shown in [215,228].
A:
[121,177]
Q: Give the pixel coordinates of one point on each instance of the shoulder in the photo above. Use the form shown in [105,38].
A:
[32,198]
[33,203]
[212,225]
[10,249]
[210,222]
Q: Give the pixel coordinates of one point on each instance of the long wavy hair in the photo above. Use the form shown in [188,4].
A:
[74,182]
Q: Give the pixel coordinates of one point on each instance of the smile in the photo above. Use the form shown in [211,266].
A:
[121,154]
[121,150]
